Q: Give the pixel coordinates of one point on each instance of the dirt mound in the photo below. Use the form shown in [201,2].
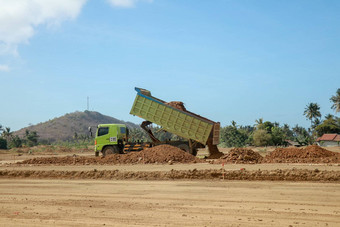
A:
[310,154]
[243,156]
[213,150]
[176,104]
[165,154]
[160,154]
[272,175]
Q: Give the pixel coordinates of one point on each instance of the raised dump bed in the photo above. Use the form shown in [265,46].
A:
[179,122]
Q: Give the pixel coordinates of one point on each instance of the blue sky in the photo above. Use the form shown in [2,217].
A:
[226,60]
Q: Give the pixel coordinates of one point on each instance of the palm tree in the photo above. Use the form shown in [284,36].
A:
[336,101]
[312,111]
[259,123]
[7,133]
[233,123]
[316,122]
[328,116]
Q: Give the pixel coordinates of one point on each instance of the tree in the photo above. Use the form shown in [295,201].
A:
[6,133]
[336,101]
[301,135]
[330,125]
[329,116]
[259,123]
[315,123]
[31,138]
[15,142]
[8,140]
[3,143]
[312,111]
[261,138]
[278,136]
[267,125]
[287,132]
[231,136]
[138,134]
[75,136]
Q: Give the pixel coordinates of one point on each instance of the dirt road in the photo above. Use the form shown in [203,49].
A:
[167,203]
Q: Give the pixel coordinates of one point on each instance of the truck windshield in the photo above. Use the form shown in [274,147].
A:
[122,130]
[103,131]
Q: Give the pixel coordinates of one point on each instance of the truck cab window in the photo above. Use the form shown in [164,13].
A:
[103,131]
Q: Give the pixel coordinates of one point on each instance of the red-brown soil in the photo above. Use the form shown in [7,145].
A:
[242,155]
[159,154]
[310,154]
[211,174]
[213,150]
[176,104]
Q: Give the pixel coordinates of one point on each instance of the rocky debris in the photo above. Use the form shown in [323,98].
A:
[162,154]
[309,154]
[209,174]
[176,104]
[243,156]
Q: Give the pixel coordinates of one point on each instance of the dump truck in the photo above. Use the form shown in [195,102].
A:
[197,131]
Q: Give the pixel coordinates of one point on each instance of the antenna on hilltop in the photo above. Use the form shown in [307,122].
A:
[88,103]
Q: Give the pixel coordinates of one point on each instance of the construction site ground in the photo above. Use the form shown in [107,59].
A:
[199,193]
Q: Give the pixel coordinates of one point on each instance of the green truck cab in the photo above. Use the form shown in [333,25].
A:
[110,139]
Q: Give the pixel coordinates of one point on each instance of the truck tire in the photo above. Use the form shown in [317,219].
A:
[110,150]
[96,153]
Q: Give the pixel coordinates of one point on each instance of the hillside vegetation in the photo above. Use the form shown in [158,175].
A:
[65,127]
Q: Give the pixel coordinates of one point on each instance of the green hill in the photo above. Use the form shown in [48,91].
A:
[64,128]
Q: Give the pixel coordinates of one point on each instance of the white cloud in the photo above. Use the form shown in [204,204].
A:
[4,68]
[19,19]
[126,3]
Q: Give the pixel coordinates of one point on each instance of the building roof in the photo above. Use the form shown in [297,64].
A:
[329,137]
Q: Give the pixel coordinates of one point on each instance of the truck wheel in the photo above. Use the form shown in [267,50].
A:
[110,150]
[96,153]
